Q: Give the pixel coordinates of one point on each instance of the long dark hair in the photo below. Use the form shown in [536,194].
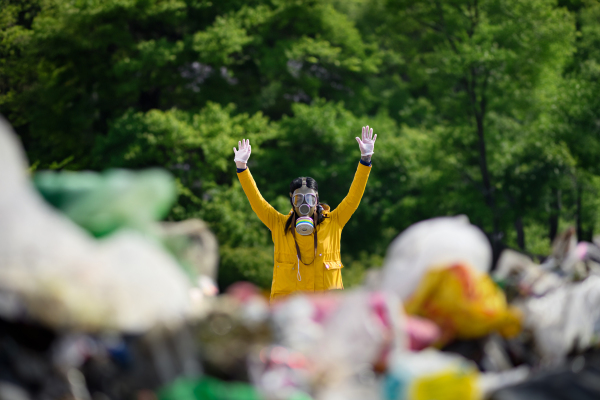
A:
[297,184]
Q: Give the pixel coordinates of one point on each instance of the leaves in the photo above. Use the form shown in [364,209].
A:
[486,108]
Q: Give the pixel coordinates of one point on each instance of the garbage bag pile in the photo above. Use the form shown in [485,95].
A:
[99,299]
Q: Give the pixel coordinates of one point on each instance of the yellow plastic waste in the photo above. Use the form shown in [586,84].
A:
[431,375]
[447,385]
[464,303]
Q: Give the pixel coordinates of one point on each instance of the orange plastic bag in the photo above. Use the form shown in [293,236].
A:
[464,303]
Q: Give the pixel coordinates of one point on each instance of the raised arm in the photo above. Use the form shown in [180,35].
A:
[265,212]
[350,203]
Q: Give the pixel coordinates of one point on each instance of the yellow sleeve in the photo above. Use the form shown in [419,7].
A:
[350,203]
[265,212]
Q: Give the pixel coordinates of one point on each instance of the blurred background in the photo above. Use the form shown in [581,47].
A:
[484,108]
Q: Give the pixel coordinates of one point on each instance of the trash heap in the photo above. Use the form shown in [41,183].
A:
[100,300]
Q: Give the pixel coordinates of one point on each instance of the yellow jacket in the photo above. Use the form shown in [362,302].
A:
[324,272]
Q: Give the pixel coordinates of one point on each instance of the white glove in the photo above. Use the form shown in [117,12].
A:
[367,144]
[243,154]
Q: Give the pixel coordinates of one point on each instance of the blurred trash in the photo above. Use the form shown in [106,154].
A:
[496,357]
[422,333]
[232,329]
[104,202]
[430,244]
[334,321]
[520,277]
[298,321]
[101,301]
[576,379]
[563,259]
[491,382]
[572,260]
[24,362]
[429,375]
[196,249]
[564,321]
[208,389]
[465,304]
[358,339]
[280,373]
[53,271]
[346,339]
[49,364]
[9,391]
[439,268]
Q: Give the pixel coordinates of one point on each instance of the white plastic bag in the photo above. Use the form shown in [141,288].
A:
[67,279]
[433,243]
[566,319]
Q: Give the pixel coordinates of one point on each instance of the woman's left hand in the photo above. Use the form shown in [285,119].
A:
[367,144]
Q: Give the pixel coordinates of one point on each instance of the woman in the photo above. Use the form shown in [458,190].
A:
[307,240]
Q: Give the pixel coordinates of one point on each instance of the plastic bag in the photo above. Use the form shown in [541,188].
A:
[565,320]
[422,333]
[346,338]
[429,244]
[519,276]
[430,375]
[65,278]
[208,389]
[104,203]
[464,303]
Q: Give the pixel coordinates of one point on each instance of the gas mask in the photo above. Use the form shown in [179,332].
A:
[305,201]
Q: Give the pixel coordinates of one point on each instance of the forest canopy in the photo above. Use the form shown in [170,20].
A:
[488,108]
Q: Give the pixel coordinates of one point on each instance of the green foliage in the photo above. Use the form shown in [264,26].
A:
[486,108]
[254,264]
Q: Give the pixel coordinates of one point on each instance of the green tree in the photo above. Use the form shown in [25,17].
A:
[483,107]
[483,66]
[576,122]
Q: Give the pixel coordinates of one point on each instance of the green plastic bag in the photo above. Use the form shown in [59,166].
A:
[103,203]
[208,389]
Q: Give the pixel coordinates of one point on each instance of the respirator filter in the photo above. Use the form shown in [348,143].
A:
[304,209]
[305,226]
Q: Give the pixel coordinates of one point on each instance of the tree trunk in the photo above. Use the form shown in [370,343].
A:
[485,176]
[555,207]
[589,234]
[520,233]
[488,191]
[578,217]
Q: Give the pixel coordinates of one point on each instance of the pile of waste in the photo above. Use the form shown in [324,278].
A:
[101,300]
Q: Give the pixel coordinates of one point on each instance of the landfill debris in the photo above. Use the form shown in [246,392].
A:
[230,331]
[345,338]
[439,268]
[101,300]
[521,278]
[431,244]
[575,379]
[208,389]
[566,320]
[430,374]
[422,332]
[465,304]
[64,277]
[102,203]
[196,248]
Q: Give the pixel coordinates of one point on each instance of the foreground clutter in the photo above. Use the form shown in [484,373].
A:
[100,300]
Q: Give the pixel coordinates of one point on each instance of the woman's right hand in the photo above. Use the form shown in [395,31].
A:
[243,154]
